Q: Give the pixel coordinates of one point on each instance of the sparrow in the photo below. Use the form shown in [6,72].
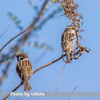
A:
[67,41]
[24,69]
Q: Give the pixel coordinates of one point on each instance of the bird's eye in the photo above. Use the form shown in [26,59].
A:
[20,58]
[73,28]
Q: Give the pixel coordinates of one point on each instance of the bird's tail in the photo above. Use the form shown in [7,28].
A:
[68,57]
[27,85]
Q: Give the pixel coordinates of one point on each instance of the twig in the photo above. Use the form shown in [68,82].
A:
[6,29]
[48,64]
[14,38]
[73,92]
[59,82]
[4,76]
[5,62]
[12,91]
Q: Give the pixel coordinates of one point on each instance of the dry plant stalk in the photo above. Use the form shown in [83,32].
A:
[59,81]
[73,92]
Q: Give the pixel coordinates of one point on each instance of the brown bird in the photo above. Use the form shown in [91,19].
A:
[24,69]
[67,41]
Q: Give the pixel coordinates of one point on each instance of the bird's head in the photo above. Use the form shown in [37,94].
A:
[22,56]
[71,29]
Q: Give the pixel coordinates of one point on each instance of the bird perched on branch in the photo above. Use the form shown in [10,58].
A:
[67,41]
[24,69]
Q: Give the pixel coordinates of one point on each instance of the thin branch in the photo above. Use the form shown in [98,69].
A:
[14,38]
[12,91]
[5,62]
[59,82]
[6,29]
[6,69]
[4,76]
[48,64]
[73,92]
[40,13]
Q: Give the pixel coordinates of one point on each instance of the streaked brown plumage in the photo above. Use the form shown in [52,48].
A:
[24,70]
[67,41]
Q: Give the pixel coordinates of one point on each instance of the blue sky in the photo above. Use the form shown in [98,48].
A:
[83,72]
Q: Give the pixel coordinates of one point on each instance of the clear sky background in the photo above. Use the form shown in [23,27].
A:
[84,72]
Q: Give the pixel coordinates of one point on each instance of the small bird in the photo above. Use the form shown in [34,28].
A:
[24,69]
[67,41]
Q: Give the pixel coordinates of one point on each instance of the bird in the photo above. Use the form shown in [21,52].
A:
[68,41]
[24,69]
